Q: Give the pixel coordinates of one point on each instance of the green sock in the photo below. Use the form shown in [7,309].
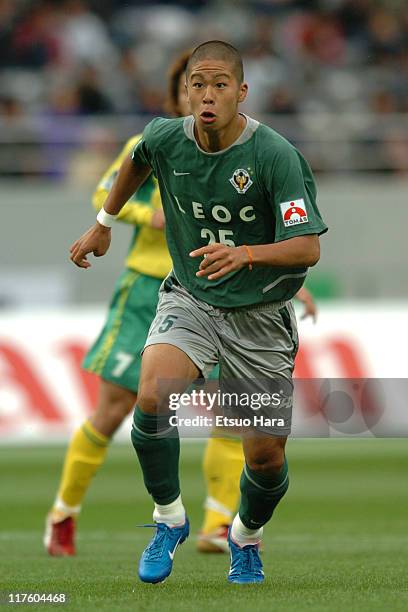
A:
[260,495]
[158,450]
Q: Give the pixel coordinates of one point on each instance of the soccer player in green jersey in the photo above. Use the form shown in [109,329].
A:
[242,228]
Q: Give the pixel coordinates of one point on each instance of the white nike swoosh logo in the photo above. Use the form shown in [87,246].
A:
[180,173]
[171,554]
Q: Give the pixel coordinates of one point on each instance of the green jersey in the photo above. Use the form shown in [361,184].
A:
[259,190]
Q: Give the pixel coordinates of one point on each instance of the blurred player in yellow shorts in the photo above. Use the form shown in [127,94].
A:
[115,357]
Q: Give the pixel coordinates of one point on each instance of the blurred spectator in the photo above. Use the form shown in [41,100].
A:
[385,37]
[10,109]
[82,95]
[282,102]
[322,39]
[8,12]
[308,58]
[84,36]
[91,98]
[264,69]
[384,102]
[64,100]
[151,101]
[15,127]
[35,43]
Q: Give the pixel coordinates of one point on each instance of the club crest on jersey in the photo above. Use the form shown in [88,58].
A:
[294,212]
[241,180]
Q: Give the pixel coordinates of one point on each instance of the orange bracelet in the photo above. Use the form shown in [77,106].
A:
[249,255]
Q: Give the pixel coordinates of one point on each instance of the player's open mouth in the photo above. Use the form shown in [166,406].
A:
[207,117]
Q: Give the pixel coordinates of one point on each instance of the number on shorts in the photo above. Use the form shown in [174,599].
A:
[167,323]
[124,360]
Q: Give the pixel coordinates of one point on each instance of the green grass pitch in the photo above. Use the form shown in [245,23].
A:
[338,541]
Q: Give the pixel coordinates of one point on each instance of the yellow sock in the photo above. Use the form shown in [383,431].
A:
[86,452]
[223,463]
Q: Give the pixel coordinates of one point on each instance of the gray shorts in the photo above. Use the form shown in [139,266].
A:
[254,346]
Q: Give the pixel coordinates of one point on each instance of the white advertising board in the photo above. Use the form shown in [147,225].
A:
[44,393]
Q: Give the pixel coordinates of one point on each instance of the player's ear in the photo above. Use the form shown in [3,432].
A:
[243,91]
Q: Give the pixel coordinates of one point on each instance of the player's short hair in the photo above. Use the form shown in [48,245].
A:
[219,50]
[177,68]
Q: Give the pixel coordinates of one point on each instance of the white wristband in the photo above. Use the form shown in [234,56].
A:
[105,218]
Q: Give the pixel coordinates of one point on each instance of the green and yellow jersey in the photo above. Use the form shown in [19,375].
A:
[148,253]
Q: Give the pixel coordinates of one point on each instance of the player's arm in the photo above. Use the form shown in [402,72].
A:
[300,251]
[132,174]
[134,212]
[310,308]
[219,259]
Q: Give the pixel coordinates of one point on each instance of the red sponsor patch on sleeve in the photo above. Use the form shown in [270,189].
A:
[294,212]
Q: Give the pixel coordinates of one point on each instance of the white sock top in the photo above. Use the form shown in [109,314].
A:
[172,514]
[242,536]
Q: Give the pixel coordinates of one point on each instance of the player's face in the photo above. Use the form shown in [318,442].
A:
[183,105]
[214,94]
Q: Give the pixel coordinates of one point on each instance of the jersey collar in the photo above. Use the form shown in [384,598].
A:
[246,134]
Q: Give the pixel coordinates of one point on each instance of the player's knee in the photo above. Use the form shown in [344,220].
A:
[147,398]
[120,408]
[114,405]
[267,463]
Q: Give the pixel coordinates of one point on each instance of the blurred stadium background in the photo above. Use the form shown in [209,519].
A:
[77,78]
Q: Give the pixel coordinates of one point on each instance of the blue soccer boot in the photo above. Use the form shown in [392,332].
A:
[156,561]
[246,564]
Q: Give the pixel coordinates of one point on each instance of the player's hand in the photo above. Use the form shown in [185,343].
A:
[96,240]
[220,259]
[310,308]
[158,221]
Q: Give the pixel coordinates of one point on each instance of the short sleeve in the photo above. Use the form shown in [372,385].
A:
[292,194]
[144,149]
